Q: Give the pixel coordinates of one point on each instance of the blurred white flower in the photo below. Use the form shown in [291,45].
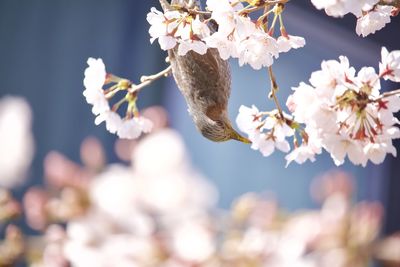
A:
[164,149]
[16,141]
[193,242]
[132,208]
[169,186]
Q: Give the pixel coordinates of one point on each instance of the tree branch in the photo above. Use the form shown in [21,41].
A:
[147,80]
[274,89]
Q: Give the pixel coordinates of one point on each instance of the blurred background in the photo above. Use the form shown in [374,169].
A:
[44,45]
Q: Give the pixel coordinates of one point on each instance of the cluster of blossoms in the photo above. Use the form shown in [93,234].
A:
[147,214]
[372,15]
[228,28]
[344,113]
[96,77]
[341,112]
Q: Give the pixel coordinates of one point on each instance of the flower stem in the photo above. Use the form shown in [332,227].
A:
[387,94]
[147,80]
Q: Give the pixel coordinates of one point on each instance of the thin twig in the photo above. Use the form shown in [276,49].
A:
[274,89]
[147,80]
[248,9]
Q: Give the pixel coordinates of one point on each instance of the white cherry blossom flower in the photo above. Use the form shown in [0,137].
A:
[191,45]
[258,51]
[112,119]
[248,119]
[302,102]
[134,127]
[226,47]
[308,149]
[346,112]
[339,146]
[389,67]
[373,20]
[95,78]
[368,79]
[332,79]
[162,27]
[270,134]
[200,29]
[285,43]
[302,153]
[219,6]
[376,152]
[224,14]
[339,8]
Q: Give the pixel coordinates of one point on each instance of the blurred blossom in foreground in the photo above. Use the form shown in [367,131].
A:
[16,141]
[141,214]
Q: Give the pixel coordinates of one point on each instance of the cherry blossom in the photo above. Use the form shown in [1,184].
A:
[162,27]
[371,14]
[285,43]
[389,67]
[339,8]
[265,134]
[237,36]
[248,119]
[133,128]
[226,47]
[373,20]
[346,113]
[95,78]
[174,28]
[258,50]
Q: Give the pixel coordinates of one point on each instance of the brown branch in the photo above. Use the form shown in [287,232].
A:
[274,89]
[394,3]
